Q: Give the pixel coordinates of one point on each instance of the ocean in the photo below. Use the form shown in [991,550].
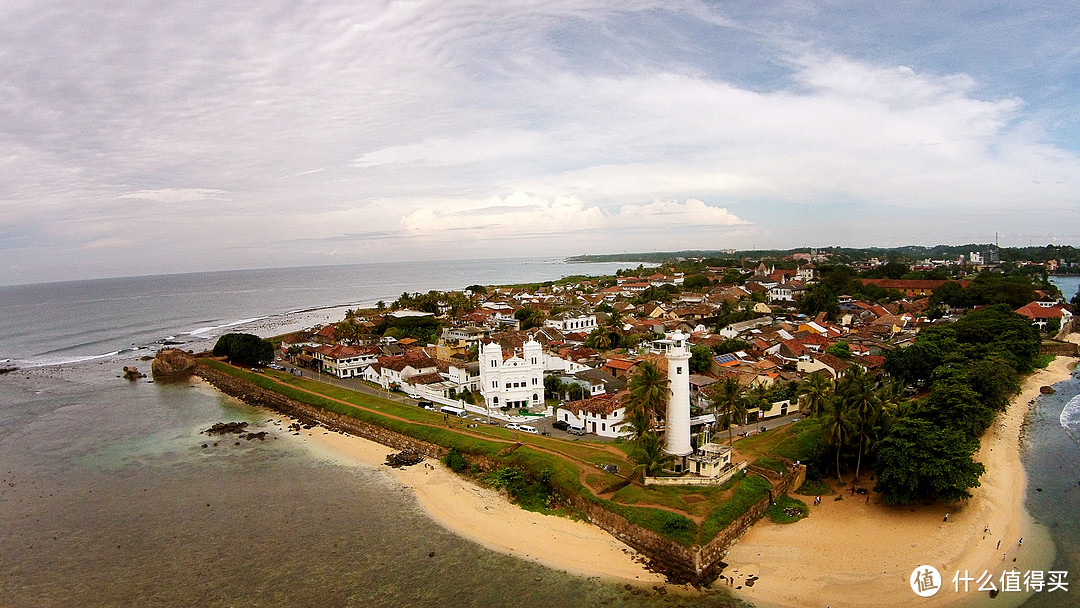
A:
[108,497]
[69,322]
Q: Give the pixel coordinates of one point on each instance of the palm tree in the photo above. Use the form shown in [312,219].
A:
[649,390]
[637,424]
[856,389]
[817,388]
[615,320]
[728,404]
[649,455]
[838,425]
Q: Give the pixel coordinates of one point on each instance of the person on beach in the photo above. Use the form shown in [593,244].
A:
[1021,541]
[999,543]
[946,517]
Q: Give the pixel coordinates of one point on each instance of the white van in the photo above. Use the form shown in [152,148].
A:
[454,411]
[528,429]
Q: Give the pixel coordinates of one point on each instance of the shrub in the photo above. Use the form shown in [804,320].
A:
[455,461]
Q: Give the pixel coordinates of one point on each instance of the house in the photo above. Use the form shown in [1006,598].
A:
[733,330]
[831,364]
[619,367]
[572,322]
[602,415]
[1042,313]
[595,381]
[344,361]
[912,287]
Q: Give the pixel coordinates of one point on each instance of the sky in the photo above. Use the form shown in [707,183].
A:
[146,137]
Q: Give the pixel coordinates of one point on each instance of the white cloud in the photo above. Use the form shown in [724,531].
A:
[411,120]
[522,213]
[178,195]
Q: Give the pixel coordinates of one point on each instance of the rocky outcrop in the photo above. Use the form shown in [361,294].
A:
[172,362]
[132,373]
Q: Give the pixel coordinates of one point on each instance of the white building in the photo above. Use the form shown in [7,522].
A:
[602,415]
[517,381]
[572,322]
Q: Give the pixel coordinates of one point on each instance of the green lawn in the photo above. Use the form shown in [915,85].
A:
[561,470]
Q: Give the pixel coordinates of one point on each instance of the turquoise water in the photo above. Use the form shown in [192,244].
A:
[108,499]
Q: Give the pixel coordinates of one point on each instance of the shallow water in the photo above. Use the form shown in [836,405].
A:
[1052,461]
[108,499]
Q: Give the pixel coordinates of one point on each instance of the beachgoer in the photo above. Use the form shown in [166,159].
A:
[946,517]
[1021,541]
[999,544]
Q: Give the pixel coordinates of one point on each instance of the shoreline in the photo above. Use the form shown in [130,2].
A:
[852,554]
[486,517]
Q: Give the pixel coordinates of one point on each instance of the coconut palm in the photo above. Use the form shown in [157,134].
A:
[649,390]
[729,404]
[649,455]
[637,424]
[838,425]
[816,388]
[856,390]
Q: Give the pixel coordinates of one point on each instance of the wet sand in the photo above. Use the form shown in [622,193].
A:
[486,517]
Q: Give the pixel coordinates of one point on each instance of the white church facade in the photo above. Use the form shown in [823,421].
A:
[517,381]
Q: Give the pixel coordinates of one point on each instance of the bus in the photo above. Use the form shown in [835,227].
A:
[453,411]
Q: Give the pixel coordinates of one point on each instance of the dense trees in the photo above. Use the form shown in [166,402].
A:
[700,359]
[244,349]
[529,317]
[972,368]
[926,461]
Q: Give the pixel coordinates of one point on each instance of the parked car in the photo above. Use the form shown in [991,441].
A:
[528,429]
[562,425]
[427,405]
[576,430]
[512,426]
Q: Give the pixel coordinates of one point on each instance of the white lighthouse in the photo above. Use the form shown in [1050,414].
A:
[677,425]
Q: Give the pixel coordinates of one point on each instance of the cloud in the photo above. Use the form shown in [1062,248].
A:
[414,124]
[522,213]
[178,195]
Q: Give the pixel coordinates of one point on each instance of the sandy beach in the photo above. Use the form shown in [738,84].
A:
[485,516]
[849,553]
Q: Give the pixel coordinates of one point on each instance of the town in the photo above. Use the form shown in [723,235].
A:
[695,395]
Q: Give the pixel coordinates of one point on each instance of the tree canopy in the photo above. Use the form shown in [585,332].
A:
[926,462]
[244,349]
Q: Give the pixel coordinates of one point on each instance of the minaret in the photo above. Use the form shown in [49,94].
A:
[677,426]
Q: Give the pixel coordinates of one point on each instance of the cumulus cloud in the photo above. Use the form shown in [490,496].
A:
[522,213]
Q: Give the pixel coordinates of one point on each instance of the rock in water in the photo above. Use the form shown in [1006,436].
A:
[172,362]
[1047,390]
[133,373]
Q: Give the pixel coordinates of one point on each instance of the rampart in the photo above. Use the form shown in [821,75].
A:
[680,563]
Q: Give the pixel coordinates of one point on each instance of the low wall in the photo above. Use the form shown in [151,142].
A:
[682,564]
[1059,348]
[711,554]
[696,481]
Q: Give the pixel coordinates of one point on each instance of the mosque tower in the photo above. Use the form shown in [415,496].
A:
[677,426]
